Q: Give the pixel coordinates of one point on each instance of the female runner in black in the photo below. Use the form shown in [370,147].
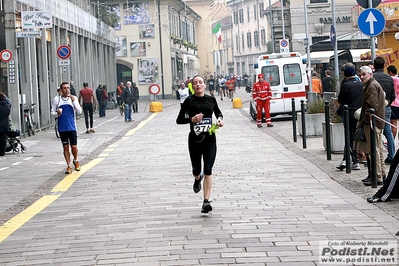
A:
[198,110]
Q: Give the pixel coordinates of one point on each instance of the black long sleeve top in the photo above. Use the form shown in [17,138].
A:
[193,105]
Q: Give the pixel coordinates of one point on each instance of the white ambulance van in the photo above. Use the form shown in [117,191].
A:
[287,78]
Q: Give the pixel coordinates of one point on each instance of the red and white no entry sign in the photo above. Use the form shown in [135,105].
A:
[154,89]
[5,55]
[64,52]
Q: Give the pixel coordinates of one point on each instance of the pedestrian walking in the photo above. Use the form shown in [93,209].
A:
[119,91]
[64,108]
[136,96]
[316,85]
[5,110]
[261,93]
[328,82]
[222,87]
[88,102]
[183,92]
[373,97]
[201,143]
[176,84]
[127,99]
[211,85]
[72,88]
[231,86]
[104,101]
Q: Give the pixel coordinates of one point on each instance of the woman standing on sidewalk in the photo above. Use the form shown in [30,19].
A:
[198,110]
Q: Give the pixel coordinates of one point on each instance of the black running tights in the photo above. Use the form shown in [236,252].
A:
[205,149]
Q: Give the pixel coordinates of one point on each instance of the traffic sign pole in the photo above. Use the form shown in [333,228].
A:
[334,26]
[372,43]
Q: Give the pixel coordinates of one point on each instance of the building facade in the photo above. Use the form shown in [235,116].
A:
[35,69]
[156,42]
[319,21]
[251,33]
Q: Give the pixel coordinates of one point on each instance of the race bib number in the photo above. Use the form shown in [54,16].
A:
[203,126]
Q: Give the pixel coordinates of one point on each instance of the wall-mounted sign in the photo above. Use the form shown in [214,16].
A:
[11,72]
[36,19]
[29,34]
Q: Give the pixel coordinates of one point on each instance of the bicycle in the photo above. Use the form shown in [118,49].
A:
[29,124]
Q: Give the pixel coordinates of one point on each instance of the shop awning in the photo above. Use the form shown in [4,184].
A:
[357,54]
[383,52]
[320,57]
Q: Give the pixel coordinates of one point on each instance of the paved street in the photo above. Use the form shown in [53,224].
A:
[133,204]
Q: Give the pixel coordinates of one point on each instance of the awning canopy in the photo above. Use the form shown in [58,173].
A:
[383,52]
[320,57]
[357,54]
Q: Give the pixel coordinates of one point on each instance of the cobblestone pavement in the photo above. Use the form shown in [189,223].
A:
[133,204]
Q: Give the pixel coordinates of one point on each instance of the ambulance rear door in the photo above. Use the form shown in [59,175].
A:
[294,82]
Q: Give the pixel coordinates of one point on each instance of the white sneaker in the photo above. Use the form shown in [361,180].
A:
[342,165]
[355,166]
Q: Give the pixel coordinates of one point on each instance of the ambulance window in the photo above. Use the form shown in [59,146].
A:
[271,75]
[292,74]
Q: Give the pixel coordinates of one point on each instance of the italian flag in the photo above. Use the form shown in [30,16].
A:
[216,30]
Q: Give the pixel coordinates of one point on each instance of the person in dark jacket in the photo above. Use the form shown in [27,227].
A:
[351,94]
[104,101]
[136,96]
[328,82]
[4,123]
[127,100]
[386,83]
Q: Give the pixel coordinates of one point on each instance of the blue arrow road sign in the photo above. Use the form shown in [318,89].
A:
[371,22]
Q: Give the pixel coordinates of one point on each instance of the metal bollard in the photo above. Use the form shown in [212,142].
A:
[373,166]
[348,145]
[328,130]
[294,134]
[303,124]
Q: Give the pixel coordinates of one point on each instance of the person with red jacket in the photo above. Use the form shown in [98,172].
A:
[262,94]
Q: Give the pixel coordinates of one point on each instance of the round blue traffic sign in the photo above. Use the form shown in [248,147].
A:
[64,52]
[284,43]
[371,22]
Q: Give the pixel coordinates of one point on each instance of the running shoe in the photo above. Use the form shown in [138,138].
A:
[87,131]
[68,170]
[206,207]
[355,166]
[373,199]
[92,131]
[197,183]
[76,164]
[342,165]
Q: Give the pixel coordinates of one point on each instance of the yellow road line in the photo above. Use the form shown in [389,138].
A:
[67,182]
[19,220]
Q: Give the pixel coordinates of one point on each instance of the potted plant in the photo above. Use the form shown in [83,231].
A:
[314,118]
